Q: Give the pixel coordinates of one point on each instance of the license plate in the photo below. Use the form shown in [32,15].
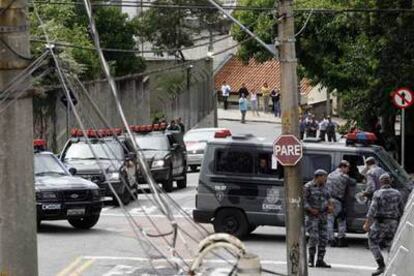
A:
[51,207]
[76,212]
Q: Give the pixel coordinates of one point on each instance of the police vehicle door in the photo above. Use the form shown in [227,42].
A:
[355,209]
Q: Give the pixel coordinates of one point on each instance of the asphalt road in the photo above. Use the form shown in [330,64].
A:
[112,247]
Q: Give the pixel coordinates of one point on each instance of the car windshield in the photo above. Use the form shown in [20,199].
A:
[48,165]
[394,166]
[194,136]
[152,142]
[104,150]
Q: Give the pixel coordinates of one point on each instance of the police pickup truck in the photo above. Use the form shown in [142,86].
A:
[241,184]
[62,196]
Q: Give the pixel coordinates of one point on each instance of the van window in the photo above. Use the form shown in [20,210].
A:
[357,163]
[264,166]
[313,162]
[229,161]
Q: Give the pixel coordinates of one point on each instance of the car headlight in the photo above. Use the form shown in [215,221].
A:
[96,194]
[46,195]
[113,176]
[158,164]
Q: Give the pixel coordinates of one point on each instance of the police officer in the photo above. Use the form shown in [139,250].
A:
[382,219]
[337,184]
[317,205]
[373,173]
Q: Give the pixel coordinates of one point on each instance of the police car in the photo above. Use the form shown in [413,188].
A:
[62,196]
[165,153]
[114,156]
[241,184]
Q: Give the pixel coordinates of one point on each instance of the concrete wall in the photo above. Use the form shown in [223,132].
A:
[50,114]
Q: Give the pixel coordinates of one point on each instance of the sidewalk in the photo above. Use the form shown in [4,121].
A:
[234,115]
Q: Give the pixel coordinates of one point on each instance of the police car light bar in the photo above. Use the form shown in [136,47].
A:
[224,133]
[100,133]
[360,137]
[39,144]
[148,128]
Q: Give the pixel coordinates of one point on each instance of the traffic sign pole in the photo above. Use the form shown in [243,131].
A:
[403,138]
[402,98]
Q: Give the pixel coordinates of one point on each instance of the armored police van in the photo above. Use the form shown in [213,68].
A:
[241,184]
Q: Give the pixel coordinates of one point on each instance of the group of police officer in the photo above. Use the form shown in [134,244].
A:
[324,198]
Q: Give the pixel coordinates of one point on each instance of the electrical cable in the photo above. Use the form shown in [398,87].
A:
[304,25]
[62,79]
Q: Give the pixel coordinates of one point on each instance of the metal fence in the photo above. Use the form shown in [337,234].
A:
[401,255]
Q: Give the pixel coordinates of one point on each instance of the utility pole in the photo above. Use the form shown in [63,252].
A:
[213,89]
[18,245]
[293,186]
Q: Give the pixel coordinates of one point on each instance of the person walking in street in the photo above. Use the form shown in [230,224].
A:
[243,90]
[243,108]
[275,95]
[265,90]
[311,127]
[254,103]
[225,92]
[382,220]
[373,174]
[317,205]
[302,127]
[173,126]
[323,126]
[331,130]
[337,184]
[181,125]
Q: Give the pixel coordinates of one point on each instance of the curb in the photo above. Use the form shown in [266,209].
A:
[252,121]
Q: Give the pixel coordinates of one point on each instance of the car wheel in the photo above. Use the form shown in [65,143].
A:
[84,223]
[182,183]
[231,221]
[167,185]
[39,221]
[252,227]
[193,168]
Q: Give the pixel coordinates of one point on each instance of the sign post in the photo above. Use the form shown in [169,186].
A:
[402,99]
[288,150]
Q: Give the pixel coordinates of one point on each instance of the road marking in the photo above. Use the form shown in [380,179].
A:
[82,268]
[217,261]
[70,267]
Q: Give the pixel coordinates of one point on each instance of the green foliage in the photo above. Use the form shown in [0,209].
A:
[363,56]
[169,30]
[68,23]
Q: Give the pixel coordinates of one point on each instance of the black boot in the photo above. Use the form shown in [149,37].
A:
[320,262]
[342,242]
[311,261]
[381,267]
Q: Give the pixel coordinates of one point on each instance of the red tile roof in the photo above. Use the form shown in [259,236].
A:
[254,74]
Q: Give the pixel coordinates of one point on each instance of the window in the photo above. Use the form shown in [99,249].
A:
[234,162]
[265,166]
[313,162]
[357,163]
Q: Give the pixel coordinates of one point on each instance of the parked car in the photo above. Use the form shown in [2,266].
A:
[114,156]
[166,155]
[60,195]
[196,141]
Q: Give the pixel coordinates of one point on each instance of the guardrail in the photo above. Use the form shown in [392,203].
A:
[401,255]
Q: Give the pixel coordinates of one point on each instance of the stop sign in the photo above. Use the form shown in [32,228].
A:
[288,150]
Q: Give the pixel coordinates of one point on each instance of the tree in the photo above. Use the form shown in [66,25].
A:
[363,56]
[68,23]
[171,29]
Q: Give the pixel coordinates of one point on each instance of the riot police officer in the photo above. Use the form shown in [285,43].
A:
[373,174]
[382,219]
[317,205]
[337,184]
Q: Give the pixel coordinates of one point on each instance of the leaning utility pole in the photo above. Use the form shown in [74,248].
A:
[295,232]
[18,245]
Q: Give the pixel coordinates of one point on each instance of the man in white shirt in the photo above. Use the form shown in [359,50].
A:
[225,92]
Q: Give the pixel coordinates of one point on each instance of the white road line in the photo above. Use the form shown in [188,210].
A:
[264,262]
